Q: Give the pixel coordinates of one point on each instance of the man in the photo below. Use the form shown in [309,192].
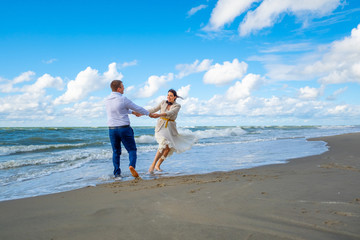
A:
[118,107]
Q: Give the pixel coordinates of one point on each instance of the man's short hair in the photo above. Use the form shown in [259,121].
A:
[115,84]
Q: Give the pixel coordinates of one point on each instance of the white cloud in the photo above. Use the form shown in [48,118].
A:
[45,81]
[111,74]
[195,107]
[269,109]
[33,101]
[30,101]
[196,9]
[226,11]
[153,84]
[24,77]
[92,109]
[309,93]
[225,73]
[128,89]
[340,109]
[129,64]
[289,47]
[183,91]
[278,71]
[243,89]
[28,105]
[336,77]
[355,69]
[338,64]
[86,82]
[342,63]
[9,85]
[336,93]
[196,67]
[50,61]
[238,101]
[269,12]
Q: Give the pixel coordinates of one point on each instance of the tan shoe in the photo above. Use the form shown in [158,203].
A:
[133,172]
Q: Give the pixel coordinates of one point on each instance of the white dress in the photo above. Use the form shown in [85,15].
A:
[166,133]
[177,143]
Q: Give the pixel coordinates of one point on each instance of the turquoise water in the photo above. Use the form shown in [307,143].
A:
[38,161]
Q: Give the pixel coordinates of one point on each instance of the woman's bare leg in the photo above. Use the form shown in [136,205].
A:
[162,158]
[157,157]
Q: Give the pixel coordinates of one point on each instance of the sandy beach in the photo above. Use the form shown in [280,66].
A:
[316,197]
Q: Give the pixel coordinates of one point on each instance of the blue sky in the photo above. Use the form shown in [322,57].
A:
[235,62]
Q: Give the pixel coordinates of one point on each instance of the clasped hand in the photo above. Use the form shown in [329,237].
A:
[152,115]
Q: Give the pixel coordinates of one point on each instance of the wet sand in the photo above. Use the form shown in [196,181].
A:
[316,197]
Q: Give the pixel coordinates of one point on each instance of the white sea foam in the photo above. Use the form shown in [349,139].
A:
[33,174]
[145,139]
[63,157]
[335,127]
[148,148]
[233,142]
[105,177]
[200,134]
[31,148]
[225,132]
[53,165]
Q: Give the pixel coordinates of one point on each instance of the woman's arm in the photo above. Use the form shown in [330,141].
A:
[155,109]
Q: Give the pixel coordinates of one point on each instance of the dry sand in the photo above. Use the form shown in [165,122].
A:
[316,197]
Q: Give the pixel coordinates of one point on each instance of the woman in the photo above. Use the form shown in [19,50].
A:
[166,133]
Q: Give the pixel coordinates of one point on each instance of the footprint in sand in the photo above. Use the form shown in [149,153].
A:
[333,223]
[346,214]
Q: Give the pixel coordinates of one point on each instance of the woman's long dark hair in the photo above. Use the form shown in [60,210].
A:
[173,92]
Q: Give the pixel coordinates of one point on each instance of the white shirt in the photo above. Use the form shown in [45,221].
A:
[118,107]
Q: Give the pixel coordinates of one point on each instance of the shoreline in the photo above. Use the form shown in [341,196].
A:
[315,197]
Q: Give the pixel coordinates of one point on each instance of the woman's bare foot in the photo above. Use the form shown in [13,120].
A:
[158,169]
[157,165]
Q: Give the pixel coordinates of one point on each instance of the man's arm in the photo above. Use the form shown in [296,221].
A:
[135,108]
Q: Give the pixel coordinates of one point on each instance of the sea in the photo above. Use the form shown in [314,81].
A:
[40,161]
